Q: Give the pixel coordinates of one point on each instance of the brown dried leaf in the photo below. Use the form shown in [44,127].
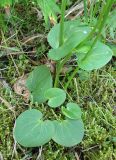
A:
[51,64]
[21,89]
[7,10]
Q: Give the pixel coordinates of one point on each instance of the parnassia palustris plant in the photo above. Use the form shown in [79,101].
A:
[66,39]
[30,123]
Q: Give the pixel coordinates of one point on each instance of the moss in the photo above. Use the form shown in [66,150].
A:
[94,93]
[95,96]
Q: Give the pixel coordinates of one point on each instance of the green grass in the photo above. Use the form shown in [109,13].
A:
[95,95]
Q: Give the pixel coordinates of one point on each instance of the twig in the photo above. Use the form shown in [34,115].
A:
[1,156]
[17,53]
[78,14]
[14,152]
[76,156]
[15,65]
[34,37]
[6,103]
[85,150]
[39,14]
[77,92]
[74,8]
[2,42]
[39,155]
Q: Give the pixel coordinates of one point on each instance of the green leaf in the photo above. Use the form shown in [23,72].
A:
[84,75]
[114,139]
[5,3]
[68,132]
[69,28]
[56,97]
[99,56]
[110,26]
[3,23]
[31,131]
[72,111]
[74,36]
[49,9]
[67,47]
[38,82]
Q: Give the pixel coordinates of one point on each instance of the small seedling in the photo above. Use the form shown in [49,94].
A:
[56,97]
[72,111]
[31,131]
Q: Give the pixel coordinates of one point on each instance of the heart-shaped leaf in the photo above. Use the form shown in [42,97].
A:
[69,28]
[99,56]
[56,97]
[38,82]
[72,111]
[68,132]
[31,131]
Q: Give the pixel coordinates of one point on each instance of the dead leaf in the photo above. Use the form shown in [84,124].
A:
[7,10]
[51,64]
[52,20]
[21,89]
